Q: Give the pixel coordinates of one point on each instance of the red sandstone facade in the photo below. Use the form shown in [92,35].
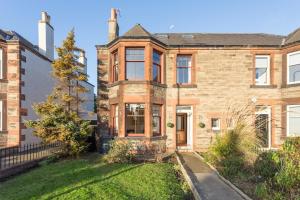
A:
[189,80]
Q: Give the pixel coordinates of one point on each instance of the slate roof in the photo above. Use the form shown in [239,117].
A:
[213,39]
[293,37]
[12,35]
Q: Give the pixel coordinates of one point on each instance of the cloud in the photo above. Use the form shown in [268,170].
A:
[172,26]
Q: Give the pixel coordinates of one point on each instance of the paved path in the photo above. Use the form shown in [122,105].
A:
[207,182]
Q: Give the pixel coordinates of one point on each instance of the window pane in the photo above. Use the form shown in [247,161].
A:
[116,122]
[294,73]
[140,125]
[262,128]
[261,62]
[156,57]
[294,120]
[156,118]
[179,123]
[156,124]
[294,59]
[130,125]
[134,54]
[215,123]
[183,75]
[135,70]
[184,61]
[156,73]
[261,75]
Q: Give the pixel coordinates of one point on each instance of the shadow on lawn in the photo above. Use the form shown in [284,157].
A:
[95,181]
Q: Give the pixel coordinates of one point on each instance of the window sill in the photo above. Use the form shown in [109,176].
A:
[3,81]
[263,86]
[184,85]
[137,82]
[288,85]
[3,132]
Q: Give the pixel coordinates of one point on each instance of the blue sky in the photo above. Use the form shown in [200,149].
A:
[89,18]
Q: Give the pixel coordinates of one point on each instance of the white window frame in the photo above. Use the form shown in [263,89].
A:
[288,120]
[219,124]
[266,110]
[288,67]
[1,112]
[1,63]
[268,69]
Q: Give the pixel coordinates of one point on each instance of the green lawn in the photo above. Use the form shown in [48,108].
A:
[90,178]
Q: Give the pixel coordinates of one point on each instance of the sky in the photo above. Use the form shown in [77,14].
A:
[89,18]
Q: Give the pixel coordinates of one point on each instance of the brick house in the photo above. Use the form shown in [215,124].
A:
[146,81]
[26,78]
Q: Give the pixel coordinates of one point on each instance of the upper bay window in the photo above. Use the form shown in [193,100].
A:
[293,120]
[156,67]
[135,64]
[262,70]
[293,67]
[183,66]
[115,66]
[135,119]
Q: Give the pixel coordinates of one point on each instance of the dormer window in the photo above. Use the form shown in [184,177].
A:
[135,64]
[293,67]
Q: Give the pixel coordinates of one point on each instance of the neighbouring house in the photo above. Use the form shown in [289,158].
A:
[26,78]
[149,82]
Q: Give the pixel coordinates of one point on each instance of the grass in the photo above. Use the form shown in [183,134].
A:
[91,178]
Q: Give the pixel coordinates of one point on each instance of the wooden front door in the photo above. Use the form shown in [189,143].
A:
[181,129]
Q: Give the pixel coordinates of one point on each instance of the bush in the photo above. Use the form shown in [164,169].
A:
[281,172]
[267,164]
[233,150]
[119,152]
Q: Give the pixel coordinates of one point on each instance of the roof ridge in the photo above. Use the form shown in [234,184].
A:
[210,33]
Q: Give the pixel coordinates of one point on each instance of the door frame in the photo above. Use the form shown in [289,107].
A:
[187,109]
[267,111]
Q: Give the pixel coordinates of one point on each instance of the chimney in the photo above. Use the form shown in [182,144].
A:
[46,36]
[113,27]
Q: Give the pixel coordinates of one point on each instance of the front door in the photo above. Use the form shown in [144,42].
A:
[181,129]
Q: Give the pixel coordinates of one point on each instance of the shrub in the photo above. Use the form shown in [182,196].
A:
[267,164]
[281,171]
[233,150]
[119,152]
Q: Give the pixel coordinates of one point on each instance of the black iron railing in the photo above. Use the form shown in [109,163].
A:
[12,156]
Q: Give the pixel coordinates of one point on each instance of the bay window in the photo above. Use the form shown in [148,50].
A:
[115,66]
[183,65]
[135,119]
[262,70]
[293,67]
[293,120]
[156,120]
[156,67]
[135,64]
